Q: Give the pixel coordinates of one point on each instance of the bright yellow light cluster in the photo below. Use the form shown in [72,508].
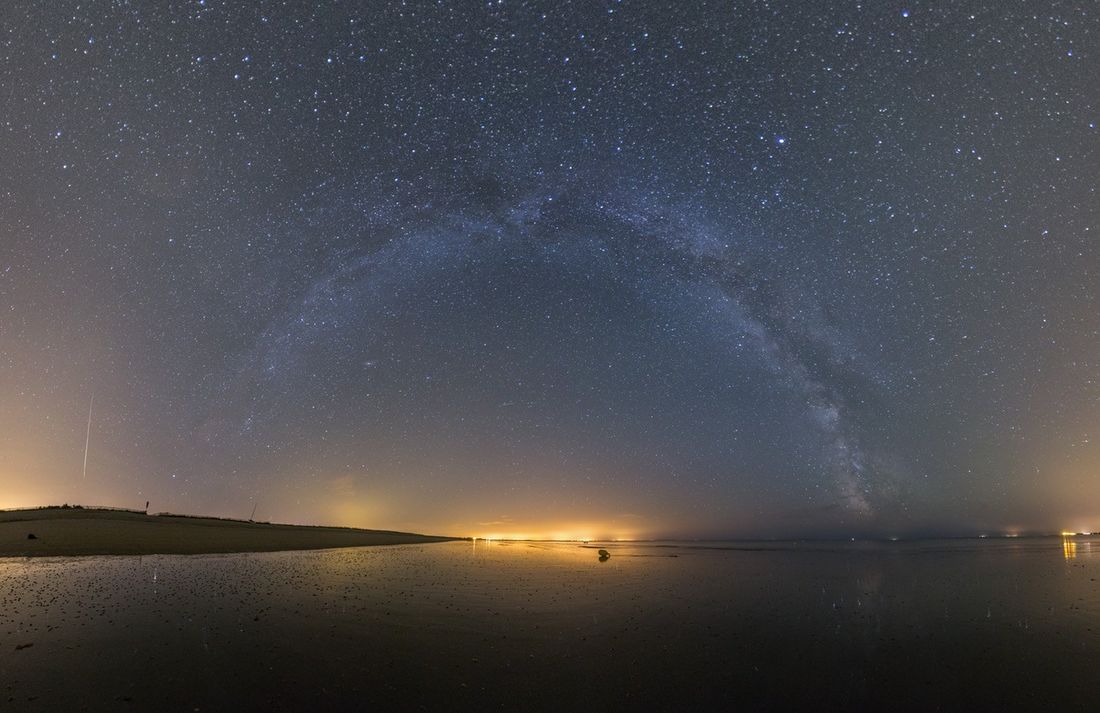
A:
[564,534]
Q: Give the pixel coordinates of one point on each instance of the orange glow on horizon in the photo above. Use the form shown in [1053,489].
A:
[563,534]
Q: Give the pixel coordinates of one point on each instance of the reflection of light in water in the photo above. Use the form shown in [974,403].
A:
[1069,547]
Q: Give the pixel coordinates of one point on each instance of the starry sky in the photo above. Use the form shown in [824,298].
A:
[607,269]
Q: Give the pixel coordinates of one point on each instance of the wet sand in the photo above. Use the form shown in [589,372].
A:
[76,531]
[960,625]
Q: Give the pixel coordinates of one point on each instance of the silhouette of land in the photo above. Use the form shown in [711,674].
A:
[67,531]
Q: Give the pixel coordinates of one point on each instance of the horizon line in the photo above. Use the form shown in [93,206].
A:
[667,538]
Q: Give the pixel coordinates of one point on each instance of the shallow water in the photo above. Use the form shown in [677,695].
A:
[935,625]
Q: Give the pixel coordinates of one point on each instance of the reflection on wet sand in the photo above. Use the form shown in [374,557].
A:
[548,626]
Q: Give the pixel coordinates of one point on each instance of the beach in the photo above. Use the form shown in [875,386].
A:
[938,625]
[86,531]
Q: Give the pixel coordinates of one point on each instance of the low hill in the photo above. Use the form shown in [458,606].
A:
[85,531]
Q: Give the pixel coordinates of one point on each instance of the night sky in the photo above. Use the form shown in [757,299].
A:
[601,269]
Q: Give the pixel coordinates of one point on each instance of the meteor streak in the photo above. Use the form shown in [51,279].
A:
[88,437]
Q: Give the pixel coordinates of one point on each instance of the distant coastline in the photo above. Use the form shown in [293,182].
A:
[76,531]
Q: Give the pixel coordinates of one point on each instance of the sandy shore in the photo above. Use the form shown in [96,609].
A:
[67,532]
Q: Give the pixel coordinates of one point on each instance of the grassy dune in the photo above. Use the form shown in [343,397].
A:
[76,531]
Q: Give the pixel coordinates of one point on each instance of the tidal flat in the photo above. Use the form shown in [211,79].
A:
[1008,624]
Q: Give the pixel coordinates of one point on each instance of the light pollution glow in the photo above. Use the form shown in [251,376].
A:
[370,513]
[36,471]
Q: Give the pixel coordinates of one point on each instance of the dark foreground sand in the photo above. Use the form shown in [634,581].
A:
[75,531]
[935,626]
